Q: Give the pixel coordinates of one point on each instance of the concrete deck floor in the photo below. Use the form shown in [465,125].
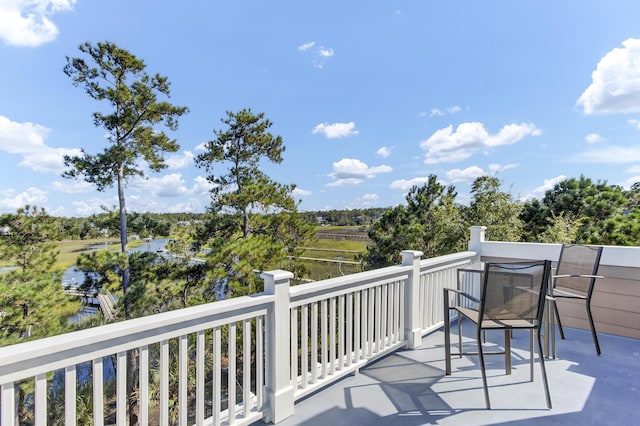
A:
[409,387]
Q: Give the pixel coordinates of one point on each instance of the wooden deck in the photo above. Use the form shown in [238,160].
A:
[409,387]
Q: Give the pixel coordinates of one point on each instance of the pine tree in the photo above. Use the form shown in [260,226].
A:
[252,223]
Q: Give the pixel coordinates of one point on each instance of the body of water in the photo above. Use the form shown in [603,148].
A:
[72,278]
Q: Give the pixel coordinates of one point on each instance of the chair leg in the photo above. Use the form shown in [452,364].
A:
[551,329]
[507,351]
[531,355]
[593,328]
[543,370]
[460,334]
[557,312]
[482,369]
[447,335]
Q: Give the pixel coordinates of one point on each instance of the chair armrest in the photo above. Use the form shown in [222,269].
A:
[560,293]
[576,276]
[463,294]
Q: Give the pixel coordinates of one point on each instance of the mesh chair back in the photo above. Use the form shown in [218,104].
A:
[514,291]
[578,259]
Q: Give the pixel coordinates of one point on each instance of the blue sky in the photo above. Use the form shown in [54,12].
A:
[370,98]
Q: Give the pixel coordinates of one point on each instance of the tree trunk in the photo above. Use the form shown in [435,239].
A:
[245,223]
[132,360]
[123,232]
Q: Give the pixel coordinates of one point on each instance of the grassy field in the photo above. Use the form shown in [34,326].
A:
[71,249]
[327,248]
[335,250]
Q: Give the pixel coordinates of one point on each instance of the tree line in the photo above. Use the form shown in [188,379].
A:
[575,210]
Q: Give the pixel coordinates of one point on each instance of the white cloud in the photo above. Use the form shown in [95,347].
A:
[349,171]
[628,183]
[325,52]
[609,155]
[10,201]
[94,206]
[473,172]
[367,200]
[28,23]
[201,186]
[548,184]
[320,53]
[633,169]
[306,46]
[497,168]
[180,161]
[384,152]
[301,192]
[405,185]
[593,138]
[170,185]
[465,175]
[615,85]
[27,140]
[72,186]
[437,112]
[336,130]
[447,145]
[635,123]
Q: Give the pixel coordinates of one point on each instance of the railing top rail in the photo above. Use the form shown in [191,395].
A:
[340,285]
[440,261]
[39,356]
[623,256]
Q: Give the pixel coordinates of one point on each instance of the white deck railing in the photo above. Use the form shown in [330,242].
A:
[239,360]
[283,344]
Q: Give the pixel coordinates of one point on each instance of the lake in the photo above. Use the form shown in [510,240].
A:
[72,277]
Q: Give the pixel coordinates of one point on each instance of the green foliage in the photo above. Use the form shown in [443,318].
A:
[588,203]
[623,230]
[118,77]
[561,229]
[351,217]
[633,196]
[32,303]
[430,223]
[153,287]
[28,243]
[494,209]
[253,221]
[102,269]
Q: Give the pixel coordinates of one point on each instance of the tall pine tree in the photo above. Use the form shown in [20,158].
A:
[116,76]
[253,224]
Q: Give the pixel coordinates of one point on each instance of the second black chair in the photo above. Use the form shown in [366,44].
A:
[575,278]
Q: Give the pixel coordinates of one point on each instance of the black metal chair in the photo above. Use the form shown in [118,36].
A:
[512,297]
[575,278]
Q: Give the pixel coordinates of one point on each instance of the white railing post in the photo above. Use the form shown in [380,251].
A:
[476,239]
[279,394]
[413,330]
